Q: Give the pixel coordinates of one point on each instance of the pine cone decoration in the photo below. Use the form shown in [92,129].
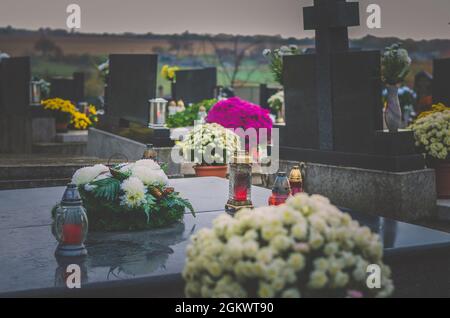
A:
[156,192]
[168,190]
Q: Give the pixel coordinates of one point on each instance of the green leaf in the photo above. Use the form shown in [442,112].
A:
[174,201]
[107,189]
[119,175]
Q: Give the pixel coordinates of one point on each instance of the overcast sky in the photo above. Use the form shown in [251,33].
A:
[402,18]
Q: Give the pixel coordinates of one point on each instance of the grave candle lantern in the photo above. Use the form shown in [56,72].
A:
[157,117]
[281,190]
[202,115]
[71,224]
[35,93]
[150,153]
[296,180]
[240,183]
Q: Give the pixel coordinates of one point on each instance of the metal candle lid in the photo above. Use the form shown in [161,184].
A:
[295,175]
[71,196]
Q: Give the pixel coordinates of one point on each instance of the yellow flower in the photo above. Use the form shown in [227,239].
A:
[164,71]
[434,109]
[92,110]
[80,121]
[169,73]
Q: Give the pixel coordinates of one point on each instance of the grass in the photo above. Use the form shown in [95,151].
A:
[46,69]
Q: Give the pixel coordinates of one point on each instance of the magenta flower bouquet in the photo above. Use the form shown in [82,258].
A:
[237,113]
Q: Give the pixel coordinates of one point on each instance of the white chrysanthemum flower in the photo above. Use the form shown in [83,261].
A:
[200,142]
[278,247]
[151,164]
[126,168]
[85,175]
[317,280]
[103,176]
[134,192]
[148,175]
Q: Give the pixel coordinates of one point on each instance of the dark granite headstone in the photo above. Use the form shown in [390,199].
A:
[441,81]
[265,93]
[193,86]
[68,88]
[356,95]
[330,19]
[131,84]
[301,112]
[333,98]
[15,118]
[423,85]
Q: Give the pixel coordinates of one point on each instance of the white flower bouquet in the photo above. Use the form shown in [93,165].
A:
[276,59]
[276,102]
[210,144]
[432,132]
[305,248]
[131,196]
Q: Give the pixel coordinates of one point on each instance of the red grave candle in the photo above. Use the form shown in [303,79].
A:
[281,190]
[72,234]
[240,193]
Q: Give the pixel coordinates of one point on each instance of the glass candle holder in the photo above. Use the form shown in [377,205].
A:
[71,224]
[296,180]
[281,190]
[35,93]
[240,183]
[157,118]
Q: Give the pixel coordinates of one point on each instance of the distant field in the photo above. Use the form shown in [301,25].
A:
[23,44]
[85,52]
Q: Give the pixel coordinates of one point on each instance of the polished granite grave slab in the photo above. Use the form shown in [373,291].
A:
[206,195]
[120,264]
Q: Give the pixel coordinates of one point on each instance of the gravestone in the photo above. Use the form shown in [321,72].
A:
[15,117]
[193,86]
[265,93]
[68,88]
[131,84]
[423,86]
[441,81]
[333,99]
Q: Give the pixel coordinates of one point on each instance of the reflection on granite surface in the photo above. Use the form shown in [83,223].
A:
[141,253]
[126,255]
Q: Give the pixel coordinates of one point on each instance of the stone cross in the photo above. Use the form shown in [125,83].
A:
[330,19]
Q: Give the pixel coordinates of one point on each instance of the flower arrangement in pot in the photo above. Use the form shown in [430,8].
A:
[276,59]
[67,115]
[62,110]
[395,66]
[242,116]
[169,73]
[432,133]
[304,248]
[210,147]
[276,104]
[130,196]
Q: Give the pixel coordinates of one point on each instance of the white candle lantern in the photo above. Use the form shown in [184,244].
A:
[157,118]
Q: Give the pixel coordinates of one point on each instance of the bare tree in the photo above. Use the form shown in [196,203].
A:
[231,58]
